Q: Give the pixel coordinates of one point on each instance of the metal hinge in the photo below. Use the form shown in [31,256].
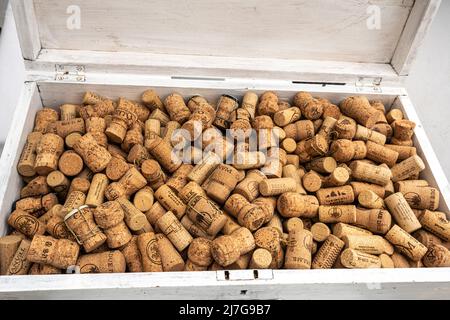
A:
[369,85]
[239,275]
[70,73]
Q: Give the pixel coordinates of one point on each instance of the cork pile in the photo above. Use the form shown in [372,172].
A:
[328,187]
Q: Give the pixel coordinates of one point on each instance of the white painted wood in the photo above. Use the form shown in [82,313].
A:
[417,27]
[27,28]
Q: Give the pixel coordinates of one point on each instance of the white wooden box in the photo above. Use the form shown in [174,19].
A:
[330,48]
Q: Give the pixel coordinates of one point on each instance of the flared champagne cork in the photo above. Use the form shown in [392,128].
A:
[49,200]
[268,204]
[353,259]
[58,182]
[27,159]
[92,98]
[403,129]
[241,263]
[43,269]
[190,266]
[345,128]
[201,119]
[155,212]
[312,181]
[130,182]
[268,104]
[404,152]
[60,253]
[336,196]
[426,238]
[298,251]
[365,134]
[199,252]
[272,187]
[105,262]
[176,108]
[225,250]
[312,109]
[337,213]
[436,224]
[244,239]
[316,146]
[72,139]
[269,238]
[134,218]
[109,216]
[97,126]
[249,187]
[133,137]
[169,200]
[230,226]
[359,187]
[406,244]
[252,216]
[407,168]
[384,129]
[196,102]
[342,150]
[300,130]
[394,115]
[330,110]
[375,245]
[437,257]
[400,261]
[26,223]
[291,171]
[96,193]
[360,110]
[143,199]
[57,228]
[195,230]
[171,260]
[366,172]
[43,118]
[123,117]
[360,150]
[402,213]
[375,220]
[161,116]
[170,129]
[132,255]
[291,204]
[276,223]
[95,156]
[328,253]
[162,151]
[222,182]
[20,264]
[174,230]
[152,171]
[79,184]
[66,127]
[137,155]
[422,198]
[320,231]
[370,200]
[285,117]
[261,259]
[36,187]
[8,247]
[179,178]
[48,151]
[151,99]
[405,143]
[70,163]
[206,214]
[342,229]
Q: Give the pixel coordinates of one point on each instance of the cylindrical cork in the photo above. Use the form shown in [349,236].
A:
[370,200]
[204,168]
[169,200]
[66,127]
[160,115]
[132,255]
[43,269]
[249,187]
[407,168]
[225,107]
[163,152]
[386,261]
[437,257]
[234,204]
[365,134]
[394,115]
[292,223]
[48,151]
[134,218]
[27,159]
[328,253]
[194,229]
[316,146]
[230,226]
[199,252]
[292,204]
[406,244]
[359,187]
[381,154]
[225,250]
[269,238]
[325,165]
[261,259]
[285,117]
[95,156]
[410,184]
[291,171]
[190,266]
[312,181]
[222,182]
[249,103]
[70,163]
[298,251]
[342,229]
[155,212]
[43,118]
[336,196]
[436,224]
[190,190]
[353,259]
[174,230]
[337,178]
[170,129]
[252,216]
[300,130]
[96,193]
[426,238]
[359,109]
[151,99]
[171,260]
[206,214]
[422,198]
[179,178]
[375,220]
[400,261]
[320,231]
[368,243]
[338,213]
[402,213]
[345,128]
[404,152]
[26,223]
[58,182]
[143,199]
[97,126]
[133,137]
[148,247]
[370,173]
[152,171]
[80,222]
[152,126]
[137,155]
[19,263]
[36,186]
[177,108]
[289,145]
[60,253]
[8,247]
[105,262]
[360,150]
[273,187]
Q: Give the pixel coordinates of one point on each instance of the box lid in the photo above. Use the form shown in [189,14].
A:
[292,39]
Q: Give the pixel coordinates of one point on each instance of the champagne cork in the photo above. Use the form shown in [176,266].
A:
[105,262]
[292,223]
[48,151]
[96,193]
[95,156]
[383,128]
[359,187]
[268,104]
[225,250]
[49,200]
[249,187]
[31,205]
[179,178]
[81,223]
[312,109]
[241,263]
[162,151]
[174,230]
[298,251]
[405,143]
[60,253]
[291,171]
[360,110]
[386,261]
[27,159]
[195,102]
[43,269]
[289,145]
[402,213]
[360,150]
[203,169]
[58,182]
[405,243]
[68,111]
[287,116]
[422,198]
[244,240]
[190,266]
[370,200]
[375,220]
[277,224]
[437,257]
[336,196]
[26,223]
[394,115]
[403,129]
[146,228]
[151,99]
[201,119]
[273,187]
[97,126]
[353,259]
[222,182]
[169,200]
[292,204]
[137,155]
[381,154]
[43,118]
[132,255]
[123,117]
[171,260]
[366,172]
[79,184]
[176,108]
[8,247]
[261,259]
[143,199]
[20,264]
[249,103]
[337,213]
[325,165]
[66,127]
[133,137]
[328,253]
[316,146]
[155,212]
[404,152]
[51,128]
[109,216]
[195,230]
[72,139]
[161,116]
[234,204]
[190,190]
[320,231]
[269,238]
[70,163]
[152,171]
[337,178]
[399,261]
[152,126]
[36,187]
[365,134]
[134,218]
[199,252]
[435,224]
[170,129]
[300,130]
[345,128]
[56,227]
[312,181]
[368,243]
[342,150]
[130,182]
[252,216]
[407,168]
[50,213]
[93,98]
[330,110]
[206,214]
[268,204]
[426,238]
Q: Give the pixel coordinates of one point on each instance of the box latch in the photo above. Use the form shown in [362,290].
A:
[70,73]
[239,275]
[369,84]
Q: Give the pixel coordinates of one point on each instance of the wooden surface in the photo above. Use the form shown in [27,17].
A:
[28,30]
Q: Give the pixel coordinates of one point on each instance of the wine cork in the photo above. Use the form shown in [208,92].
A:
[436,224]
[176,108]
[161,116]
[109,216]
[401,186]
[353,259]
[244,240]
[60,253]
[289,145]
[290,171]
[386,261]
[336,196]
[292,223]
[359,187]
[360,110]
[337,213]
[384,129]
[261,259]
[95,156]
[8,247]
[225,250]
[199,252]
[170,129]
[143,199]
[190,266]
[312,181]
[133,136]
[203,169]
[366,172]
[249,103]
[405,243]
[193,229]
[58,182]
[300,130]
[370,200]
[241,263]
[422,198]
[132,255]
[328,253]
[400,261]
[70,163]
[162,151]
[96,193]
[320,231]
[342,150]
[404,152]
[365,134]
[146,228]
[292,204]
[20,264]
[179,178]
[269,238]
[403,129]
[341,229]
[92,98]
[26,223]
[407,168]
[152,126]
[79,184]
[27,159]
[371,244]
[206,214]
[35,187]
[273,187]
[325,165]
[345,128]
[222,182]
[151,99]
[381,154]
[171,260]
[155,212]
[97,126]
[287,116]
[249,187]
[174,230]
[298,251]
[230,226]
[66,127]
[48,151]
[375,220]
[426,238]
[190,190]
[169,200]
[43,118]
[43,269]
[134,218]
[337,178]
[437,257]
[402,213]
[105,262]
[123,117]
[86,174]
[68,111]
[152,171]
[137,155]
[150,253]
[394,115]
